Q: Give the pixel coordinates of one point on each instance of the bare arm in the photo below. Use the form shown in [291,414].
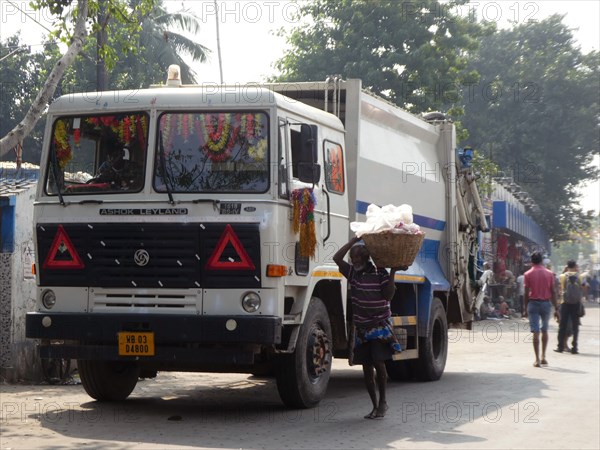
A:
[390,288]
[338,258]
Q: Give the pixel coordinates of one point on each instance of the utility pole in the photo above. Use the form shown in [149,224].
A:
[219,41]
[101,39]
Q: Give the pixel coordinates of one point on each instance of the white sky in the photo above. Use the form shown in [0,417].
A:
[249,46]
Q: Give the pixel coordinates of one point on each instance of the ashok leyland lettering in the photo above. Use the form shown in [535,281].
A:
[167,238]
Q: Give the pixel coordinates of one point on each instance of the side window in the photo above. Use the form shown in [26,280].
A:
[334,167]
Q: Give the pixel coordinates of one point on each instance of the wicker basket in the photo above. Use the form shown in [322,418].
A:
[393,249]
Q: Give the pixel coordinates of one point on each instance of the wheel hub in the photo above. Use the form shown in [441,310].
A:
[319,353]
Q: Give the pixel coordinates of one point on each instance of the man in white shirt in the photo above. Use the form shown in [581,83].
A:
[520,291]
[487,277]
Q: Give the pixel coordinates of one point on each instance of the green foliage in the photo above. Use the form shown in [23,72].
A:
[22,73]
[486,170]
[120,19]
[139,46]
[415,54]
[579,243]
[535,113]
[134,40]
[157,46]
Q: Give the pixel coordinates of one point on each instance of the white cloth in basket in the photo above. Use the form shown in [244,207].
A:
[398,219]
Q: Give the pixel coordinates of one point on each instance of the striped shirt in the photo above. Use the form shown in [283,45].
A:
[369,306]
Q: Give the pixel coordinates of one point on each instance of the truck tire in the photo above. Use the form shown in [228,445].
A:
[108,380]
[302,377]
[433,349]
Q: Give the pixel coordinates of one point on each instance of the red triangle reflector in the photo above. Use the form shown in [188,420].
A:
[62,253]
[229,237]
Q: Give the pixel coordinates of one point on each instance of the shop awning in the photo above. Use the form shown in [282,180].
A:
[510,218]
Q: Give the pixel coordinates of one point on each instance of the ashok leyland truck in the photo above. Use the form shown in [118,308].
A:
[192,228]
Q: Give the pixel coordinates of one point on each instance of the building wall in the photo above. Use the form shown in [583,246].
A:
[19,359]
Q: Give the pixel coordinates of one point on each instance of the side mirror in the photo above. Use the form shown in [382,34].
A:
[309,172]
[308,142]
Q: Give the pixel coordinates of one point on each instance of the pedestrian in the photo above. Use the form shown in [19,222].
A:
[487,278]
[572,289]
[595,288]
[371,290]
[538,298]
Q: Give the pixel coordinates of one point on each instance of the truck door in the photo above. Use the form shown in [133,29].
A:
[303,171]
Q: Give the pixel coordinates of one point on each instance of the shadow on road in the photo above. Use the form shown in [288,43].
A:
[247,412]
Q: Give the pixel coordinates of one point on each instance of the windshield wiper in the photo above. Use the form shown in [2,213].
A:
[56,172]
[163,167]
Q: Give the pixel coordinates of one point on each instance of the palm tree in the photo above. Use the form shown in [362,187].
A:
[162,41]
[165,46]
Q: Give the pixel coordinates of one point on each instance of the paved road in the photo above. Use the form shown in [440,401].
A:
[490,396]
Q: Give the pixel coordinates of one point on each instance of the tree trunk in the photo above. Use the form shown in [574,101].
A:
[19,132]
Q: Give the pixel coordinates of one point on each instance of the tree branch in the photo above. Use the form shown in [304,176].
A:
[19,132]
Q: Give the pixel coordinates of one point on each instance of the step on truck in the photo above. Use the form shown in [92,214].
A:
[170,235]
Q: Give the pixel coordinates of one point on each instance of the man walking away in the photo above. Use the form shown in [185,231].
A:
[538,298]
[572,294]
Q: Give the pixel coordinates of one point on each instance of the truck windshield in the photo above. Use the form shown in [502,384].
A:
[212,152]
[97,154]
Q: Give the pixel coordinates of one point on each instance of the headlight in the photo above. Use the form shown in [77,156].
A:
[48,298]
[251,302]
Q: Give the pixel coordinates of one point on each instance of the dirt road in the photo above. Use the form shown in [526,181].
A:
[490,396]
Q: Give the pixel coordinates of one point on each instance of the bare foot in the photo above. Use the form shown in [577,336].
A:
[381,410]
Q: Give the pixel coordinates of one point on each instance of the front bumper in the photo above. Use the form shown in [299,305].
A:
[179,339]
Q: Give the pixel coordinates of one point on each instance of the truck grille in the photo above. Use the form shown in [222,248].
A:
[157,255]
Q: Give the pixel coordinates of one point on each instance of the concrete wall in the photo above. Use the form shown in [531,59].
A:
[19,359]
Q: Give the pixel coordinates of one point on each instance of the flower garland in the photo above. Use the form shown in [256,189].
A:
[220,139]
[142,130]
[132,127]
[64,154]
[77,137]
[257,152]
[303,220]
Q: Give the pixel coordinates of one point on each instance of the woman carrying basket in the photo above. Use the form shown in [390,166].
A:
[371,289]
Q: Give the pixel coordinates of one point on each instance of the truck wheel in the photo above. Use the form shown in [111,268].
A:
[433,349]
[302,376]
[108,380]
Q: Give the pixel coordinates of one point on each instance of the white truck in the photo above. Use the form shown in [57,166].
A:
[182,252]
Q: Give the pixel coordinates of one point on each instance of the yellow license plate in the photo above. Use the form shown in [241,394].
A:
[134,343]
